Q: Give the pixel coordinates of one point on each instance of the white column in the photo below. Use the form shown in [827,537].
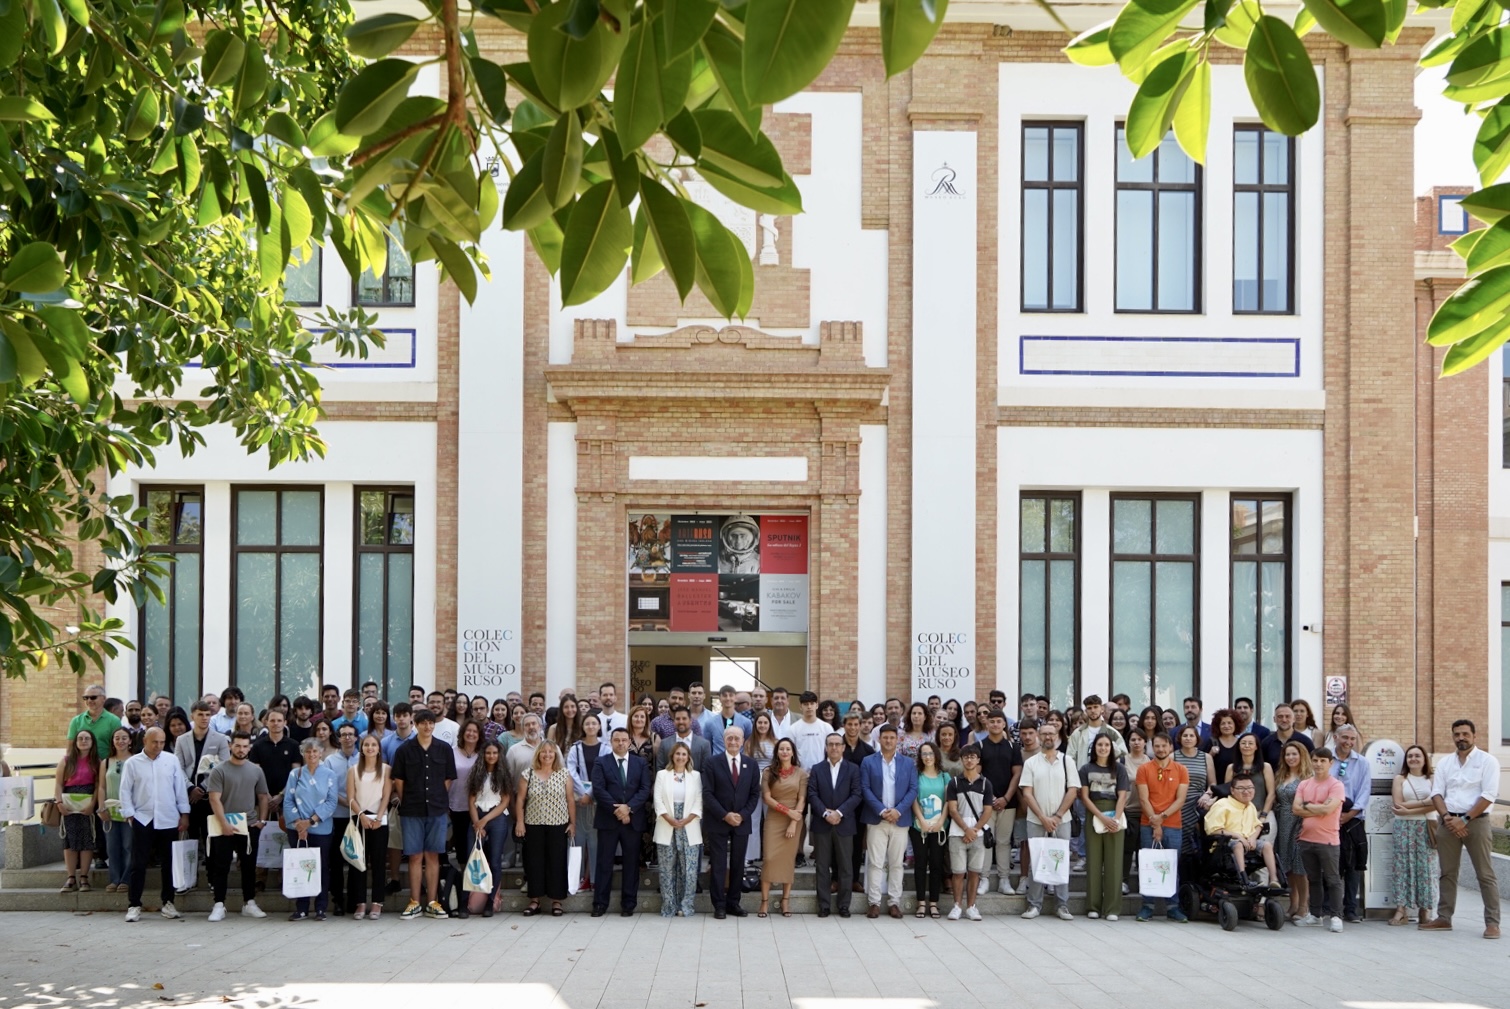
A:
[215,583]
[338,594]
[871,618]
[1215,684]
[1095,592]
[944,198]
[560,557]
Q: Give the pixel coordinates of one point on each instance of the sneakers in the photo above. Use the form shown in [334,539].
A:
[169,911]
[217,913]
[1078,865]
[434,910]
[1064,913]
[411,910]
[251,910]
[133,913]
[1125,890]
[972,912]
[1111,917]
[1031,913]
[984,887]
[1093,914]
[955,912]
[1335,926]
[1005,889]
[1308,921]
[1145,914]
[1022,884]
[1175,914]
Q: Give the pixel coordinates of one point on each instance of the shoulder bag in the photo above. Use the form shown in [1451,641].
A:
[986,833]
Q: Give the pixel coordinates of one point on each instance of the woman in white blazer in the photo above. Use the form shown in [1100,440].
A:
[678,832]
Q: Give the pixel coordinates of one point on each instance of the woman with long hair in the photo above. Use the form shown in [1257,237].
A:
[77,779]
[951,713]
[828,712]
[1118,722]
[1305,720]
[1294,768]
[948,744]
[320,733]
[1169,720]
[760,747]
[468,747]
[246,720]
[1341,715]
[929,832]
[498,721]
[175,724]
[1138,753]
[1223,742]
[1415,870]
[567,728]
[783,791]
[1104,789]
[642,741]
[917,729]
[1198,764]
[1150,722]
[460,709]
[108,804]
[380,721]
[488,796]
[1249,762]
[515,731]
[678,831]
[368,789]
[584,753]
[545,815]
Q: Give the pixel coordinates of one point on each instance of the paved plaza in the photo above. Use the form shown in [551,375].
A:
[578,962]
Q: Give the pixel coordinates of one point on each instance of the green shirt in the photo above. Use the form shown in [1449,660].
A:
[101,728]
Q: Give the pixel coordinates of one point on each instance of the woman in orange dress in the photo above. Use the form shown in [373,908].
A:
[784,792]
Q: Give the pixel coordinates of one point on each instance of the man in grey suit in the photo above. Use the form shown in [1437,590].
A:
[191,749]
[833,795]
[681,717]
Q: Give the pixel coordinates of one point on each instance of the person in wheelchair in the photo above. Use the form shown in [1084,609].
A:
[1232,823]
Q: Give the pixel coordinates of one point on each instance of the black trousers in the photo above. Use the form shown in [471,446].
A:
[857,852]
[545,860]
[832,860]
[375,879]
[624,840]
[148,844]
[930,863]
[726,855]
[221,850]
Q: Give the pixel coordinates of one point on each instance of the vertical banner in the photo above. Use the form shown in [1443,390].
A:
[694,602]
[945,190]
[694,545]
[783,573]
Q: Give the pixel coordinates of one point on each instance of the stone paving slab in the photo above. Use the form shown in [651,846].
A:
[52,960]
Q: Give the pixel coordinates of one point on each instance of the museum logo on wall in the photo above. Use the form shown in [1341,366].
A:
[944,184]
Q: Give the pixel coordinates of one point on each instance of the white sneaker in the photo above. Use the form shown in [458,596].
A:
[1031,913]
[1022,885]
[251,910]
[169,911]
[954,913]
[1335,926]
[1093,914]
[1064,913]
[217,913]
[1308,921]
[984,887]
[972,912]
[1125,890]
[1078,865]
[1005,889]
[133,913]
[1111,917]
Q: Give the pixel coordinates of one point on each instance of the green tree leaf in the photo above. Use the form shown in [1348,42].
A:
[525,205]
[252,78]
[1092,48]
[1490,249]
[671,230]
[36,266]
[223,54]
[907,28]
[683,23]
[24,110]
[1141,28]
[1489,204]
[1472,308]
[379,35]
[1192,114]
[1237,26]
[369,99]
[457,266]
[54,27]
[562,167]
[492,85]
[1485,59]
[570,72]
[1153,107]
[719,275]
[724,53]
[726,146]
[30,364]
[1280,78]
[1476,349]
[637,89]
[788,43]
[1360,23]
[596,245]
[783,200]
[1491,148]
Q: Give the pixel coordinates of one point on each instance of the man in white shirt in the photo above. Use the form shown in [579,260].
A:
[155,805]
[781,714]
[522,754]
[893,718]
[807,733]
[1463,791]
[224,719]
[1049,786]
[608,717]
[445,728]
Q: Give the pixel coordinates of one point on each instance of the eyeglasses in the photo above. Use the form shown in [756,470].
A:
[94,697]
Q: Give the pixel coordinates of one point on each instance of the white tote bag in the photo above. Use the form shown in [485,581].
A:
[1158,872]
[17,799]
[270,845]
[353,847]
[573,869]
[476,876]
[301,872]
[1051,860]
[185,864]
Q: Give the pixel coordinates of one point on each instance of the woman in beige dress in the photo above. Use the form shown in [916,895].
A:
[783,789]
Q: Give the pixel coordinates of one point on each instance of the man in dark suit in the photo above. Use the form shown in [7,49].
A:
[681,718]
[833,794]
[620,789]
[731,788]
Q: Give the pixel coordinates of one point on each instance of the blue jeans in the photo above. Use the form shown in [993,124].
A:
[493,835]
[1172,842]
[118,851]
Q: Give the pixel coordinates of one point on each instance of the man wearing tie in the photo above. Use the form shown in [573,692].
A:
[833,794]
[732,789]
[890,784]
[620,788]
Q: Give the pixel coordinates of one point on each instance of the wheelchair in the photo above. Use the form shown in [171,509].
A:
[1212,887]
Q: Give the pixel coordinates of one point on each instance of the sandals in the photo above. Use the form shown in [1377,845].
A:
[375,913]
[933,911]
[922,909]
[84,886]
[533,909]
[764,906]
[68,886]
[786,906]
[1400,918]
[556,909]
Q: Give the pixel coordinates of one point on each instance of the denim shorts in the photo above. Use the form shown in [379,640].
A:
[425,834]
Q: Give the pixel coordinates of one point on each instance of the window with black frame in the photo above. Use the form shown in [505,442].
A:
[1261,598]
[302,281]
[169,654]
[277,581]
[1263,221]
[383,641]
[395,288]
[1158,222]
[1049,597]
[1052,212]
[1155,597]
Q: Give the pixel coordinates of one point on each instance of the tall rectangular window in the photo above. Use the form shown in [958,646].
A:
[383,643]
[1158,229]
[1049,612]
[1263,221]
[1155,610]
[168,660]
[395,288]
[1505,663]
[277,574]
[1052,201]
[1261,599]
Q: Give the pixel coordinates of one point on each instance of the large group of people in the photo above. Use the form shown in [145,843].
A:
[462,788]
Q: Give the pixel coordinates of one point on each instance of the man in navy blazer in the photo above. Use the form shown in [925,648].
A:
[731,788]
[621,789]
[889,782]
[833,794]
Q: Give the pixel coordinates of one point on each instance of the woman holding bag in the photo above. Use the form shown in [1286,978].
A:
[368,789]
[1104,789]
[545,815]
[108,804]
[77,777]
[488,794]
[678,831]
[1416,870]
[930,829]
[309,801]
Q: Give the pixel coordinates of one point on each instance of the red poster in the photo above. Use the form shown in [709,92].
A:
[694,602]
[783,544]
